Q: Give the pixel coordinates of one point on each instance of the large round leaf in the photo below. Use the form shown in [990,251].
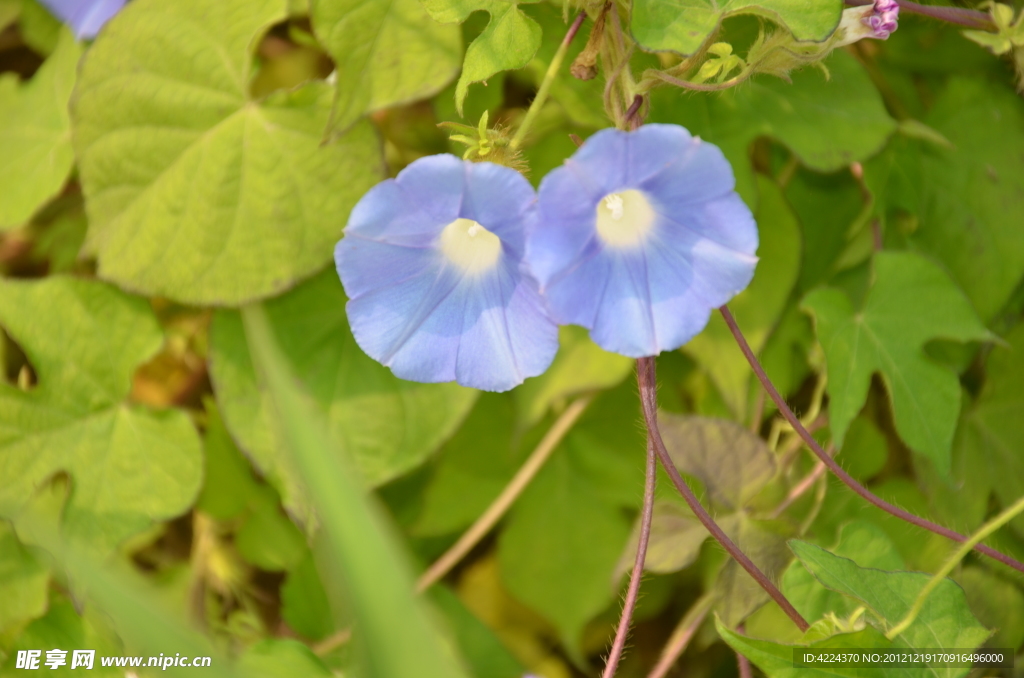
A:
[194,190]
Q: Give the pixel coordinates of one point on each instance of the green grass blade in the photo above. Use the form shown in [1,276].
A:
[399,639]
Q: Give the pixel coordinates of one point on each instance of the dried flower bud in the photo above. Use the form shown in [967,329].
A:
[584,69]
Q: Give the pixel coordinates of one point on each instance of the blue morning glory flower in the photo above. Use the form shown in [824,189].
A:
[431,262]
[86,17]
[640,234]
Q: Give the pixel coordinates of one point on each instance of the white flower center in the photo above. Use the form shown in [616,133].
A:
[614,204]
[624,218]
[470,246]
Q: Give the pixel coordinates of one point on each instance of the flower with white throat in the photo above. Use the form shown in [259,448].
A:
[639,235]
[431,262]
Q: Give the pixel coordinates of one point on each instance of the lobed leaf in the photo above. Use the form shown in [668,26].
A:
[944,622]
[385,53]
[128,465]
[63,627]
[674,543]
[35,133]
[733,463]
[684,25]
[24,581]
[507,43]
[846,104]
[776,659]
[860,541]
[911,301]
[989,454]
[967,199]
[737,594]
[194,190]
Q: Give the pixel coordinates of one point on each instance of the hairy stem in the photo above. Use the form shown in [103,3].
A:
[633,119]
[619,84]
[545,85]
[700,86]
[647,378]
[836,468]
[798,491]
[646,514]
[757,416]
[501,505]
[682,635]
[971,18]
[958,555]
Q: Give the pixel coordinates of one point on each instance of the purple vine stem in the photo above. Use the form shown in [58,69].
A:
[836,468]
[574,28]
[648,382]
[971,18]
[633,593]
[633,112]
[744,666]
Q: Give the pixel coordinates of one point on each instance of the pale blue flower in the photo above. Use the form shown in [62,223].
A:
[640,234]
[86,17]
[431,262]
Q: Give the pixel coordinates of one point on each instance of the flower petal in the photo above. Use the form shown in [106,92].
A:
[388,320]
[600,164]
[416,306]
[388,214]
[506,337]
[435,185]
[488,332]
[500,199]
[85,17]
[699,172]
[365,265]
[655,291]
[565,225]
[726,221]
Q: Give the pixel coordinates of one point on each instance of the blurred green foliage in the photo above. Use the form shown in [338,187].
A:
[197,159]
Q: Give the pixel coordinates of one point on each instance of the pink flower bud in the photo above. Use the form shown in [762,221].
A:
[875,21]
[883,19]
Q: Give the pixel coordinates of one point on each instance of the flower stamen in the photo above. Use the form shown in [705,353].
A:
[624,218]
[470,246]
[614,204]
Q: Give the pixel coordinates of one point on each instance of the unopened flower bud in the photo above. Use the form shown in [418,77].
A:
[875,21]
[883,19]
